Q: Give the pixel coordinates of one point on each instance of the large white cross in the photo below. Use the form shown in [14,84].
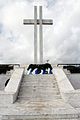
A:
[39,22]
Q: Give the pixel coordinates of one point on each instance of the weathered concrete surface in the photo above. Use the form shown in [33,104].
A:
[68,93]
[15,80]
[39,88]
[63,82]
[39,99]
[3,79]
[9,94]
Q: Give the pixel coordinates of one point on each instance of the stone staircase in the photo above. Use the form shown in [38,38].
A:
[39,99]
[39,88]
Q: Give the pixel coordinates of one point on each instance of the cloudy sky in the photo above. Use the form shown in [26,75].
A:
[61,40]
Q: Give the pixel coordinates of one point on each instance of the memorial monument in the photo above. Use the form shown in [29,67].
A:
[39,22]
[39,97]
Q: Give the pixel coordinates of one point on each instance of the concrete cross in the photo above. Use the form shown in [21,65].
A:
[39,22]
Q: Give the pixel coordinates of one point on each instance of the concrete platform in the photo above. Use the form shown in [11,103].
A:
[39,98]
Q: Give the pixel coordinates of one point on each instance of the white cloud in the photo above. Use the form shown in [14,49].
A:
[61,41]
[65,33]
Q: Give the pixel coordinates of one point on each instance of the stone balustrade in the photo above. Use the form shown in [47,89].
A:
[9,95]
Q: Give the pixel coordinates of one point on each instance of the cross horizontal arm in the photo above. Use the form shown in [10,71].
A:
[31,22]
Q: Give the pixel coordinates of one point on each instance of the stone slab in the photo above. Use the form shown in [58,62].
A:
[68,93]
[62,80]
[9,95]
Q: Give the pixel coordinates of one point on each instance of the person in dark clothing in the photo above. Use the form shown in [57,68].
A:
[31,68]
[38,71]
[47,68]
[40,68]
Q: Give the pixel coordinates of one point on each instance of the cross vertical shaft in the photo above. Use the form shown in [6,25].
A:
[35,34]
[40,35]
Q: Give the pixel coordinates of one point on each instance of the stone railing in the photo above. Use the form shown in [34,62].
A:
[10,93]
[63,82]
[68,93]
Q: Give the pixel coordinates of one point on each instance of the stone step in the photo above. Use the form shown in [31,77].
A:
[38,82]
[15,118]
[36,92]
[37,98]
[39,89]
[39,78]
[40,97]
[40,85]
[40,94]
[43,92]
[39,75]
[38,101]
[65,116]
